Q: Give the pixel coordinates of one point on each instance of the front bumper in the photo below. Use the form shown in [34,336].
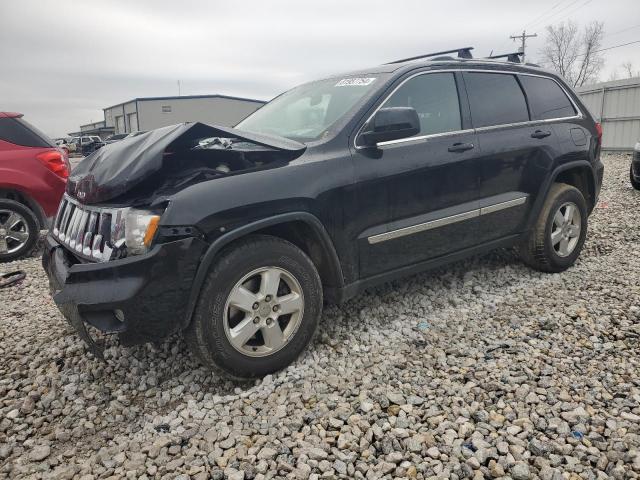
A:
[141,298]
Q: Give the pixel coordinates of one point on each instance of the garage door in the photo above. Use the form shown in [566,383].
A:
[133,122]
[120,124]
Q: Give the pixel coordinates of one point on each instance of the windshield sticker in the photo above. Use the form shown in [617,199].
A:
[355,82]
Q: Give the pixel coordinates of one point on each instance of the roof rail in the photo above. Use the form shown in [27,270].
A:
[513,57]
[464,52]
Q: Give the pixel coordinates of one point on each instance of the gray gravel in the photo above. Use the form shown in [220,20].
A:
[483,369]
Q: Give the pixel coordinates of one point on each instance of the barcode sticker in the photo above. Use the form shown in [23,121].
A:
[355,82]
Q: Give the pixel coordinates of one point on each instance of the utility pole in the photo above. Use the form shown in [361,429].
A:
[523,39]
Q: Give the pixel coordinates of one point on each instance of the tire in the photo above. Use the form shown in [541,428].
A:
[542,253]
[19,228]
[253,266]
[634,183]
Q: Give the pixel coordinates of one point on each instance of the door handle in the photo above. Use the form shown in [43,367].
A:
[460,147]
[540,134]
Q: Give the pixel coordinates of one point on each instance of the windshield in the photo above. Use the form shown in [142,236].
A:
[306,113]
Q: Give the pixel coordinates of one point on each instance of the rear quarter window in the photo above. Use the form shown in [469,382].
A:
[19,132]
[495,99]
[546,99]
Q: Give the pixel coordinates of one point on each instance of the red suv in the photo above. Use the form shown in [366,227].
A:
[33,176]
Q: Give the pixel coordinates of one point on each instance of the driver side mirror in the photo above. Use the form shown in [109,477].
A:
[391,123]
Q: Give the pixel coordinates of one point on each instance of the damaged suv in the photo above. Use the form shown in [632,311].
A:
[238,235]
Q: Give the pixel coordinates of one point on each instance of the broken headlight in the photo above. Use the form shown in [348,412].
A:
[139,230]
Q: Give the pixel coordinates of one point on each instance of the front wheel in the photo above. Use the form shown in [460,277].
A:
[258,308]
[19,230]
[555,241]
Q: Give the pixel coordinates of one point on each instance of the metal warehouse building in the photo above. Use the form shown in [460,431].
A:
[154,112]
[616,105]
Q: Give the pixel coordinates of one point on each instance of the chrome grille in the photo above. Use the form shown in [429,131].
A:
[89,232]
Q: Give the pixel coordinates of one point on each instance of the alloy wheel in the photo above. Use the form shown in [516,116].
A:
[263,311]
[14,231]
[565,231]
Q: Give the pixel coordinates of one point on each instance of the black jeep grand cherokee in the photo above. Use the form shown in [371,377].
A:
[237,235]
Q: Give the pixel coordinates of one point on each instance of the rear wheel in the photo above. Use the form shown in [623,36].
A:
[555,241]
[19,230]
[258,308]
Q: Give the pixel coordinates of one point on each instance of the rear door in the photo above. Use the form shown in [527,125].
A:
[555,113]
[417,197]
[515,153]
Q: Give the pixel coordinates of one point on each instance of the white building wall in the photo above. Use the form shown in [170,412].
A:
[616,105]
[213,110]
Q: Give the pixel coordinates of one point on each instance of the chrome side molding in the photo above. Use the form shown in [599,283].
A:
[441,222]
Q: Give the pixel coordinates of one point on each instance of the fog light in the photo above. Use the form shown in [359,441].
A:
[119,314]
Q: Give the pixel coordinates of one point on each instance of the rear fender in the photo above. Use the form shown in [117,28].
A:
[551,179]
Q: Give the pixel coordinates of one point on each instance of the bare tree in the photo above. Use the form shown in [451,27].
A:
[574,54]
[627,68]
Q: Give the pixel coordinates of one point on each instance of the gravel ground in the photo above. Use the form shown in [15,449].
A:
[483,369]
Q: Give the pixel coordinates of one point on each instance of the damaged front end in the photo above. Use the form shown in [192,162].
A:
[163,161]
[116,194]
[108,262]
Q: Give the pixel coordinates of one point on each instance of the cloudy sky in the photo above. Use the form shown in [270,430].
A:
[63,61]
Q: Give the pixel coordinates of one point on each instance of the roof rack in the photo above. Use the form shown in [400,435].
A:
[464,52]
[513,57]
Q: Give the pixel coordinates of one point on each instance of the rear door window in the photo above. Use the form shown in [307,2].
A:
[19,132]
[495,99]
[546,99]
[434,97]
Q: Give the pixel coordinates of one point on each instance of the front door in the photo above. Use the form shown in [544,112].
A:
[416,198]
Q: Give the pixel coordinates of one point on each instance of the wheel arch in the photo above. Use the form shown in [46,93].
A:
[303,229]
[579,174]
[582,178]
[10,193]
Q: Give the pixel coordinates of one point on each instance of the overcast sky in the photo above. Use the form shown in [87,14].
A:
[64,61]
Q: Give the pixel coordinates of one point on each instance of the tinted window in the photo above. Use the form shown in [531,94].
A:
[495,99]
[435,98]
[19,132]
[546,98]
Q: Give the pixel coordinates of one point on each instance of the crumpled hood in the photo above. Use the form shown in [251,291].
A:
[118,167]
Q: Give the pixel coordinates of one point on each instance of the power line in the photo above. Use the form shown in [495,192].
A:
[543,14]
[617,46]
[621,31]
[532,21]
[547,19]
[577,8]
[611,48]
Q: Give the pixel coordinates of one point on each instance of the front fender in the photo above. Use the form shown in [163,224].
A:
[217,245]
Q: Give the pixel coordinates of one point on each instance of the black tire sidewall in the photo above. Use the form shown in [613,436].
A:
[209,315]
[32,222]
[634,183]
[574,196]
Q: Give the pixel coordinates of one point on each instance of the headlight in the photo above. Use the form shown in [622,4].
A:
[140,228]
